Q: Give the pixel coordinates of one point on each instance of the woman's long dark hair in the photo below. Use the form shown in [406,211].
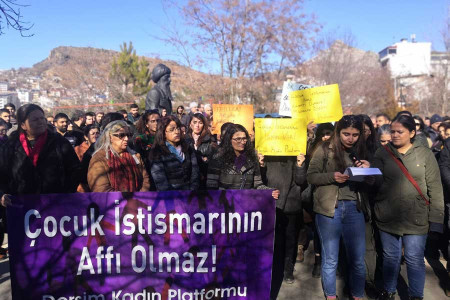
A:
[23,112]
[319,135]
[359,148]
[407,122]
[371,142]
[141,125]
[226,152]
[205,130]
[159,147]
[422,123]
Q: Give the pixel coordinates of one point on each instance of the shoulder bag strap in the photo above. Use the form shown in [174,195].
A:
[405,171]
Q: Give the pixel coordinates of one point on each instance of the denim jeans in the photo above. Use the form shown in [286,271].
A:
[349,223]
[414,258]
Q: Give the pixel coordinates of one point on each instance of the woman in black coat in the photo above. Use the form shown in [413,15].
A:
[199,137]
[35,160]
[173,161]
[235,165]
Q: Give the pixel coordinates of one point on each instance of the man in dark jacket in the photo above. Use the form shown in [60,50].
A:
[78,118]
[433,131]
[61,122]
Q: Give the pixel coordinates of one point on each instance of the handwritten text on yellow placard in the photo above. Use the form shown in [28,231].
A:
[238,114]
[280,137]
[321,104]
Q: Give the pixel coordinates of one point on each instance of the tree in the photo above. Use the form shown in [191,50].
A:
[363,84]
[131,71]
[247,38]
[11,16]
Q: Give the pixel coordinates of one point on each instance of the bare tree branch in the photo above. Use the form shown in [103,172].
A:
[11,15]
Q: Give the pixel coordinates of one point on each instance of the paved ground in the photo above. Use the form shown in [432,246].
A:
[305,287]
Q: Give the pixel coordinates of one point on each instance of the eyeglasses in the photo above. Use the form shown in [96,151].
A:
[240,140]
[3,130]
[172,129]
[123,135]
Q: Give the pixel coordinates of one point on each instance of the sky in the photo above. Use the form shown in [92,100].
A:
[108,23]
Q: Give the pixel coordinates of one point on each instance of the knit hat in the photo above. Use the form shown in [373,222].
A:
[435,118]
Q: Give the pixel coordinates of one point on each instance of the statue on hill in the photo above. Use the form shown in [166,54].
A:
[160,96]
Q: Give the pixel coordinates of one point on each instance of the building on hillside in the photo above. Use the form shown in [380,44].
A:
[3,86]
[9,97]
[35,95]
[24,96]
[407,59]
[412,66]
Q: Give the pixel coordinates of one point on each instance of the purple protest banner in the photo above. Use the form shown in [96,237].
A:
[144,246]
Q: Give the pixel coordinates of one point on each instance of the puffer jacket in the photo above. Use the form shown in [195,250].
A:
[283,173]
[225,176]
[399,208]
[57,170]
[320,173]
[168,173]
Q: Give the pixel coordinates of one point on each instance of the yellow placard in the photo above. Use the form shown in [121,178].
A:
[237,114]
[321,104]
[280,137]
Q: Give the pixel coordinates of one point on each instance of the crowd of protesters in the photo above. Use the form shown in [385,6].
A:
[361,231]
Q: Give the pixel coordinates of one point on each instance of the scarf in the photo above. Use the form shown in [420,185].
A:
[124,172]
[177,151]
[33,152]
[239,162]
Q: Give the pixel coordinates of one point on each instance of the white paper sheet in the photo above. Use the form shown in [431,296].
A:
[358,174]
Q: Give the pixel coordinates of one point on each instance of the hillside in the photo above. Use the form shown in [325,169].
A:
[85,70]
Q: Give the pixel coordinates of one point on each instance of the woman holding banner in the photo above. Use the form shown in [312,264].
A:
[174,163]
[338,204]
[235,165]
[114,166]
[35,160]
[199,138]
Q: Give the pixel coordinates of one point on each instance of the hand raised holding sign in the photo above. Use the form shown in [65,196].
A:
[300,159]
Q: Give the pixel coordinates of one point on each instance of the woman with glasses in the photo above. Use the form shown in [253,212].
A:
[235,166]
[114,166]
[339,204]
[199,137]
[174,163]
[146,132]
